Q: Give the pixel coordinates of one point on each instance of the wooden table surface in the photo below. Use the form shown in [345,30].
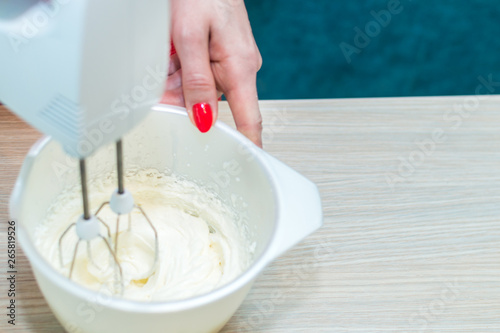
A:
[411,236]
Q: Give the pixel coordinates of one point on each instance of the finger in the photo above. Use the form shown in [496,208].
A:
[173,97]
[197,79]
[243,101]
[174,64]
[174,80]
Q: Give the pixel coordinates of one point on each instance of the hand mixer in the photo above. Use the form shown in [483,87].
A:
[85,72]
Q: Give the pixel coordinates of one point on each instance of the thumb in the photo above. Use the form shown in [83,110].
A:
[198,82]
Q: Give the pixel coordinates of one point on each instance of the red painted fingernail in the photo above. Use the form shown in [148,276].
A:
[203,117]
[172,48]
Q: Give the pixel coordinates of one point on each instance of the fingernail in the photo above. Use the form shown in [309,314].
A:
[203,118]
[172,48]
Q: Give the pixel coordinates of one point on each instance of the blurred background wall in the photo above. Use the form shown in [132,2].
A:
[423,48]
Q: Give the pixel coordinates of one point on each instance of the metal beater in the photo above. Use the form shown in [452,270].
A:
[107,81]
[87,226]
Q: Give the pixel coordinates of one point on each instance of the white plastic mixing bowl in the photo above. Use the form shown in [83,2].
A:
[280,208]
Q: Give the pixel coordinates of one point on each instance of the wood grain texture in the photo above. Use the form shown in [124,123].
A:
[411,241]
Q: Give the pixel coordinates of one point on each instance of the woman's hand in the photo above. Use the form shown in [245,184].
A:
[216,54]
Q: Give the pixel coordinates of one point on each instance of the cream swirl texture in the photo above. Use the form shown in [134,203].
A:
[201,245]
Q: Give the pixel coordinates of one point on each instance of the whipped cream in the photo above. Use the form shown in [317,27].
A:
[201,244]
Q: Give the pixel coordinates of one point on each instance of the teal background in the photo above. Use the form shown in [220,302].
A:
[430,48]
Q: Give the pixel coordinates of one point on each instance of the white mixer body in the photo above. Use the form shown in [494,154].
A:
[83,71]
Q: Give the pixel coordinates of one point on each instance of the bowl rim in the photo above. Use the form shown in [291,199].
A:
[118,303]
